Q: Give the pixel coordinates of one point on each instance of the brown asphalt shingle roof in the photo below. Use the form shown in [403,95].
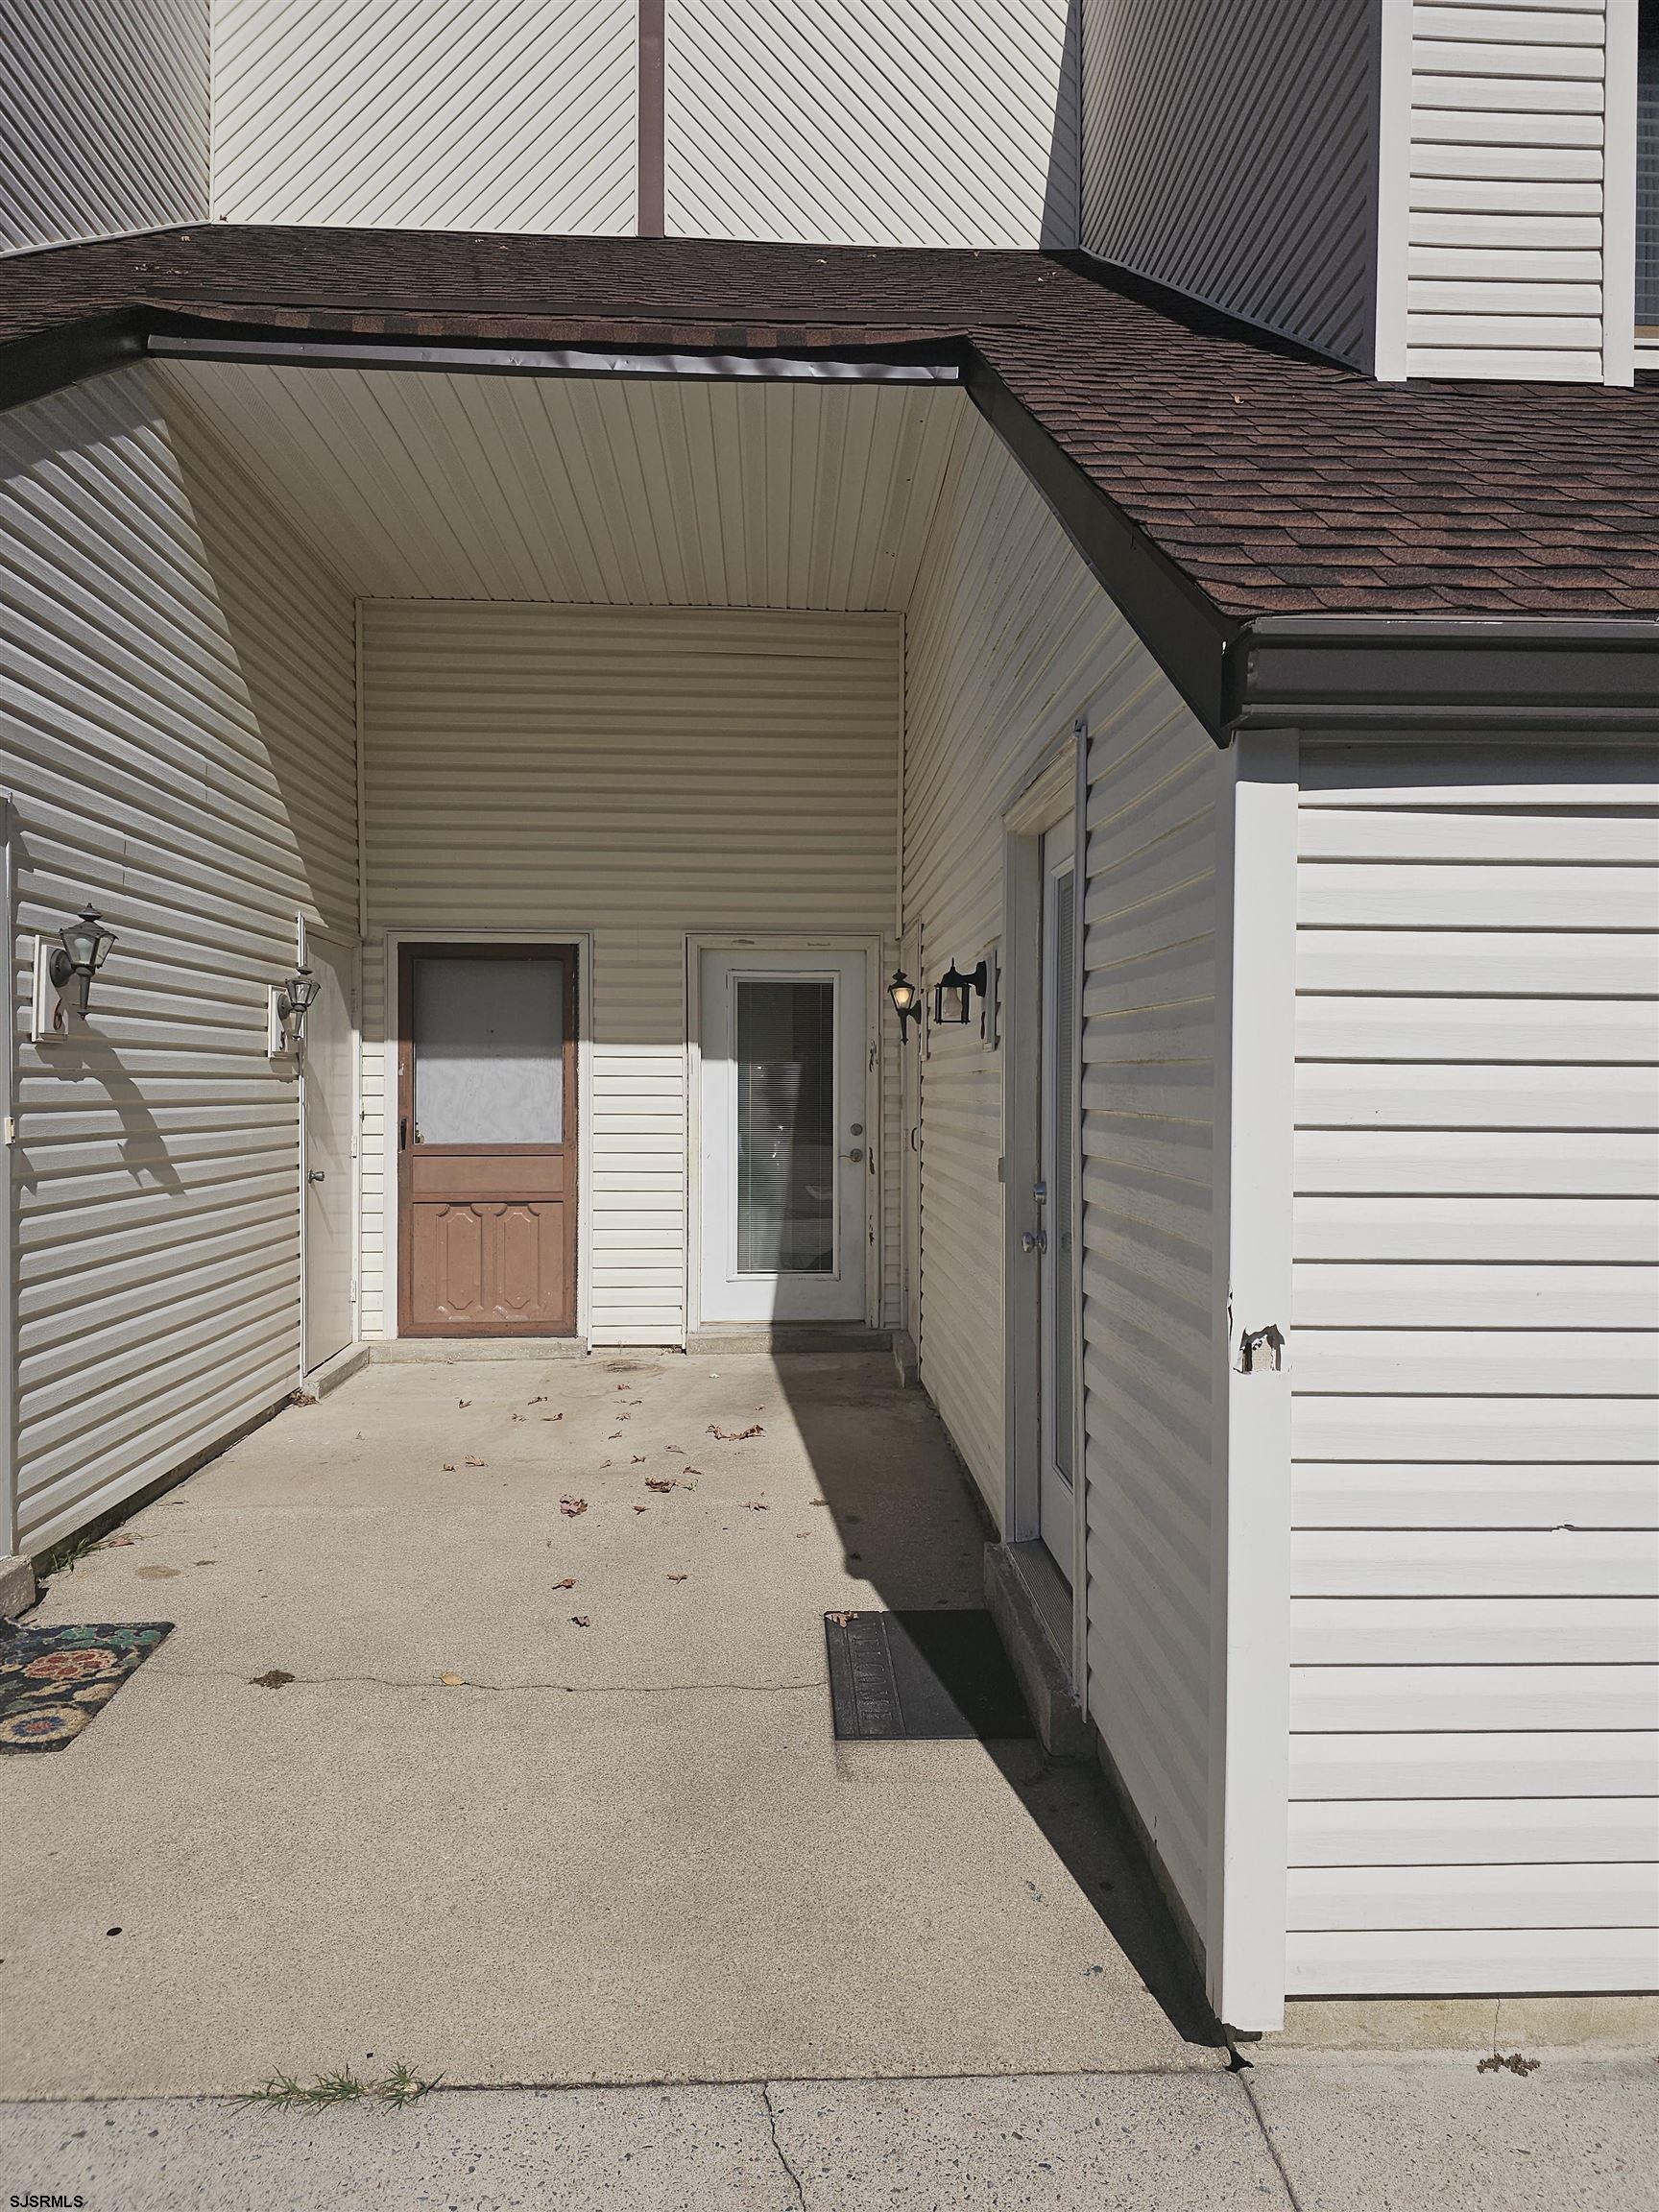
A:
[1281,483]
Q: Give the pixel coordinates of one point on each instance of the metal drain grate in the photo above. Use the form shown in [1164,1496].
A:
[921,1678]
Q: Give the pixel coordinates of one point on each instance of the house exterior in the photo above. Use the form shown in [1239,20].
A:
[603,532]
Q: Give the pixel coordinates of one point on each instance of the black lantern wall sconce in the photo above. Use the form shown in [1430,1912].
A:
[953,995]
[290,1003]
[906,997]
[82,949]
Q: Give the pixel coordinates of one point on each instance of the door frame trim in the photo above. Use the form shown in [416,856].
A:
[304,938]
[850,943]
[580,943]
[1054,792]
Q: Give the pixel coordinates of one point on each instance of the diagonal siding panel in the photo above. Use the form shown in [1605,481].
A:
[436,114]
[102,117]
[873,122]
[1231,152]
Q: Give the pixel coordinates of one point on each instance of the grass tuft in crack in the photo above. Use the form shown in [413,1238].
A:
[284,2093]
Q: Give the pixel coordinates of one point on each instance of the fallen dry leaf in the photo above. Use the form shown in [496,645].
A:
[636,1459]
[471,1462]
[566,1582]
[662,1483]
[841,1620]
[279,1678]
[642,1508]
[679,1577]
[112,1543]
[518,1416]
[539,1399]
[452,1681]
[463,1401]
[755,1506]
[552,1416]
[448,1466]
[572,1506]
[581,1620]
[735,1436]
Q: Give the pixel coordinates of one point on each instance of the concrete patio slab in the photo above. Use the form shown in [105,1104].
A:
[510,1849]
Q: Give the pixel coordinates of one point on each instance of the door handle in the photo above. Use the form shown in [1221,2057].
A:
[1034,1240]
[316,1175]
[856,1154]
[402,1131]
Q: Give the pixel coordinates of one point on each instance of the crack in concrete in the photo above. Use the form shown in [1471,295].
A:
[783,2156]
[432,1682]
[1267,2134]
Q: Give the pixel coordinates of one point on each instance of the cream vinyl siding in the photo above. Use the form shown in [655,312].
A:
[873,122]
[1501,207]
[1008,640]
[1474,1702]
[427,114]
[102,117]
[175,709]
[640,776]
[1230,153]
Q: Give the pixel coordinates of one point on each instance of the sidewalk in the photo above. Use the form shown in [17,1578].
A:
[1299,2135]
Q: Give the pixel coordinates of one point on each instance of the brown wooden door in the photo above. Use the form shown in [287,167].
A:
[487,1141]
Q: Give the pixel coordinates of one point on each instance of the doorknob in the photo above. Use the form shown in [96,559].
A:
[1034,1240]
[857,1153]
[316,1175]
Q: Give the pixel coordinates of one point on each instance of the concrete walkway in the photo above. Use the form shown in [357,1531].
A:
[1353,2135]
[552,1796]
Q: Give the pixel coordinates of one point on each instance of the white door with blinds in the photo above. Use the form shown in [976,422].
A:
[785,1207]
[1055,1186]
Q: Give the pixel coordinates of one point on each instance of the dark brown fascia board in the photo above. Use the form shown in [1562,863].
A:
[35,367]
[1183,629]
[1508,676]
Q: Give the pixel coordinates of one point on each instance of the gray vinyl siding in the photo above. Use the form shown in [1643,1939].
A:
[637,776]
[1474,1693]
[1231,152]
[176,731]
[1149,1240]
[104,122]
[1010,638]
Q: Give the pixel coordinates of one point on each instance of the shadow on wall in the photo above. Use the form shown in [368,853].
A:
[1062,228]
[910,1527]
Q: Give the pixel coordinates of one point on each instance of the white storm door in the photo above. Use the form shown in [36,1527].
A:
[329,1105]
[786,1153]
[1058,1109]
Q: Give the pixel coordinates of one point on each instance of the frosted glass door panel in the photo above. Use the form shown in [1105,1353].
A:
[489,1051]
[786,1126]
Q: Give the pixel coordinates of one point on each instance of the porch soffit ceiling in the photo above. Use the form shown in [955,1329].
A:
[1292,540]
[590,491]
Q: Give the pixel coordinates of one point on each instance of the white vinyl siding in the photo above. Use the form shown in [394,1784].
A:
[1008,640]
[1474,1699]
[638,776]
[873,122]
[1230,152]
[1501,235]
[103,118]
[177,714]
[427,114]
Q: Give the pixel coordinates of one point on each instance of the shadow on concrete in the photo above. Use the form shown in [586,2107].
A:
[911,1525]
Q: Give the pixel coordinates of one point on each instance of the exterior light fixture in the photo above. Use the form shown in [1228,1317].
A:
[906,997]
[952,995]
[84,947]
[295,1000]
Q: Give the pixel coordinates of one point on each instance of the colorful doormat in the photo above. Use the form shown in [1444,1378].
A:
[54,1681]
